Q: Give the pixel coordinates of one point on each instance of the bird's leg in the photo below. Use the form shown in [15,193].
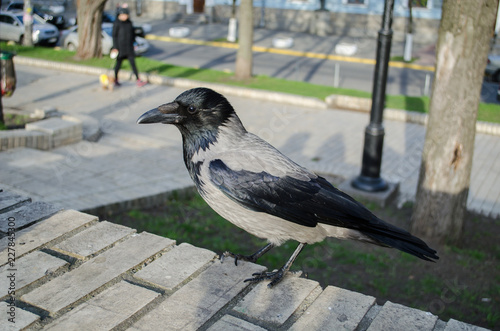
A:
[277,276]
[250,258]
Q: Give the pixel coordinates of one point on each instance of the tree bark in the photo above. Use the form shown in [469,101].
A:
[443,186]
[89,13]
[244,61]
[28,23]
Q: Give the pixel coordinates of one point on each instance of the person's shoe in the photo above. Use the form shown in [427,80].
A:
[117,84]
[141,83]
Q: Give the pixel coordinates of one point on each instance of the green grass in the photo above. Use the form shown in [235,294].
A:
[402,59]
[487,112]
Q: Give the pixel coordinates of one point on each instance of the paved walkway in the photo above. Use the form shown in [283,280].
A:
[74,272]
[133,165]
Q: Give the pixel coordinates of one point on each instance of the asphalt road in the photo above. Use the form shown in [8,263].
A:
[318,71]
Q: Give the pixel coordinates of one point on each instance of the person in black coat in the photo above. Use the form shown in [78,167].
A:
[123,42]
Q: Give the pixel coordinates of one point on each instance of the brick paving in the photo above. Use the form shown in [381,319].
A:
[70,278]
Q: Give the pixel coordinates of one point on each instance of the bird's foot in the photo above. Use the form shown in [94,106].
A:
[274,276]
[248,258]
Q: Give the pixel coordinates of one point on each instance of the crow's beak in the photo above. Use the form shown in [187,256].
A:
[166,114]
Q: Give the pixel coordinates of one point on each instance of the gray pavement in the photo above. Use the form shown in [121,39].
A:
[133,163]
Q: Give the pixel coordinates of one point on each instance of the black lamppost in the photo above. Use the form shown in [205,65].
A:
[369,180]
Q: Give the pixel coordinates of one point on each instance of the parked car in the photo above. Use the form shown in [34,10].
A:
[70,42]
[41,10]
[12,29]
[492,70]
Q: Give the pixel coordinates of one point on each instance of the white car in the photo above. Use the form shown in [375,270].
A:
[70,41]
[492,70]
[12,29]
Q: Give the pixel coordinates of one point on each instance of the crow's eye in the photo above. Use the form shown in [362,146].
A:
[191,109]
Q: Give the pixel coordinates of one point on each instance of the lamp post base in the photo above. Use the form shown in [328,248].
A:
[370,184]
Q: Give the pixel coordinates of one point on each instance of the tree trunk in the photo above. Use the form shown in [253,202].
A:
[443,186]
[28,23]
[89,14]
[244,55]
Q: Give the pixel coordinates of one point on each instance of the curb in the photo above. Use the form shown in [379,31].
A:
[333,101]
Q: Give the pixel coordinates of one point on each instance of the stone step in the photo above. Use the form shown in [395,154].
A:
[93,240]
[231,323]
[196,302]
[26,215]
[44,233]
[274,307]
[335,309]
[61,292]
[108,309]
[394,316]
[176,266]
[14,318]
[27,270]
[9,201]
[45,134]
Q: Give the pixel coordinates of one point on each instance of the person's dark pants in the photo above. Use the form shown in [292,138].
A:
[131,60]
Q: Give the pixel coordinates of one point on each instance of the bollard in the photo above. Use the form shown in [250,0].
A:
[336,75]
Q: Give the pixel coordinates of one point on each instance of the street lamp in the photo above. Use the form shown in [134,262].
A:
[369,180]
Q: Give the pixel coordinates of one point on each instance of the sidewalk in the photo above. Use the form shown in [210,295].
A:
[134,165]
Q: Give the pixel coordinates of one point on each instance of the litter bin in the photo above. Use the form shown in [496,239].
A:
[7,74]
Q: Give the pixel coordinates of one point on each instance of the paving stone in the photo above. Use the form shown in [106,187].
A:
[454,325]
[28,269]
[93,240]
[175,266]
[27,214]
[276,305]
[63,132]
[41,234]
[91,275]
[230,323]
[9,200]
[22,318]
[396,317]
[335,309]
[106,310]
[197,301]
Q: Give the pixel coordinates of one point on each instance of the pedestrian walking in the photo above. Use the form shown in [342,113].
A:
[123,42]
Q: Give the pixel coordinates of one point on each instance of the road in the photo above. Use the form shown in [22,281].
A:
[318,71]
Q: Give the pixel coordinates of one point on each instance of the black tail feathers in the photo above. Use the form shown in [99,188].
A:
[406,242]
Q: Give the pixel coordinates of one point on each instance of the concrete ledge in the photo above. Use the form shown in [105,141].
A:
[381,198]
[45,134]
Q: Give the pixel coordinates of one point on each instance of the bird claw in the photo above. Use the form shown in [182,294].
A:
[248,258]
[274,276]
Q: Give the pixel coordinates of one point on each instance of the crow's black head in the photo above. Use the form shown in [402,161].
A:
[194,111]
[198,113]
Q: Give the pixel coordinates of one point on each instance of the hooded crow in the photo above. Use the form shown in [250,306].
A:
[254,186]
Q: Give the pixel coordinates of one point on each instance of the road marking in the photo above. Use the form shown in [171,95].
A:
[290,52]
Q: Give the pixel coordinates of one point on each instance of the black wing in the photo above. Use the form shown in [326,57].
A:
[308,203]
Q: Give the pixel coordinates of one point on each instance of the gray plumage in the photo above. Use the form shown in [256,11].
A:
[257,188]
